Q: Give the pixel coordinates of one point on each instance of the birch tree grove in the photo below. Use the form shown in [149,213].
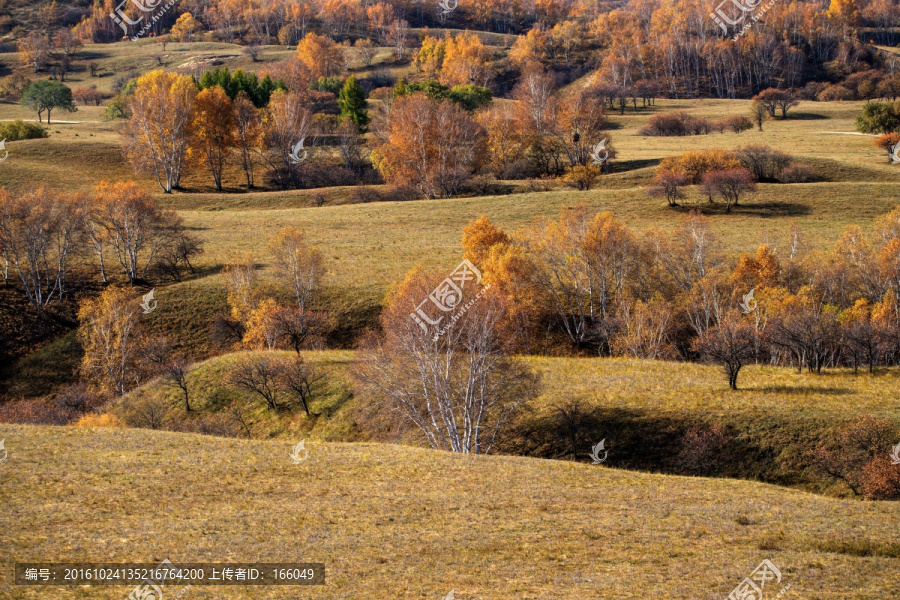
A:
[40,232]
[135,228]
[457,390]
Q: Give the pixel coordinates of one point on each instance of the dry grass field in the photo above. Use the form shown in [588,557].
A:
[396,520]
[400,522]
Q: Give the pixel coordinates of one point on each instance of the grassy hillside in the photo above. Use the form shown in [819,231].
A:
[404,522]
[642,408]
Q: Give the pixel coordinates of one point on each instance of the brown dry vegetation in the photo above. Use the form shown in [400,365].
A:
[412,523]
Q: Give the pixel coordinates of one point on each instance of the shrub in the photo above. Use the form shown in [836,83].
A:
[887,142]
[881,479]
[76,397]
[668,184]
[582,177]
[730,184]
[764,162]
[676,124]
[695,163]
[812,90]
[835,93]
[703,448]
[19,130]
[860,458]
[95,420]
[34,412]
[797,174]
[879,117]
[88,95]
[737,123]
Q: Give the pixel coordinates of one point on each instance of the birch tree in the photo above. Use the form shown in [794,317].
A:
[158,132]
[458,390]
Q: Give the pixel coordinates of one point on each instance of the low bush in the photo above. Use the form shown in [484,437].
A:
[797,174]
[766,163]
[95,420]
[20,130]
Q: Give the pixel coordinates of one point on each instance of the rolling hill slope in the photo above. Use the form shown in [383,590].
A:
[400,522]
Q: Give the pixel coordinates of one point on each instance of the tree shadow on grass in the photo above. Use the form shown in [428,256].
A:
[805,116]
[758,209]
[803,390]
[622,166]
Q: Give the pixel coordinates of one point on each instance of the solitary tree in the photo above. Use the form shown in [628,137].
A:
[321,55]
[730,343]
[668,184]
[759,113]
[260,374]
[352,102]
[47,95]
[730,184]
[175,374]
[458,389]
[299,264]
[775,99]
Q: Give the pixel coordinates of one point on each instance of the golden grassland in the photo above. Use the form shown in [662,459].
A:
[689,391]
[401,522]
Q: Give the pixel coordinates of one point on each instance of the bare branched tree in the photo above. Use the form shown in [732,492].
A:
[458,389]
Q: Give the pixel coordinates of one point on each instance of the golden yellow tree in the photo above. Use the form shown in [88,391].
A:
[844,10]
[262,330]
[465,61]
[321,55]
[430,56]
[213,130]
[185,27]
[111,339]
[479,237]
[156,135]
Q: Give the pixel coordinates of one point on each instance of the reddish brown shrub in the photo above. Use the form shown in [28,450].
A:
[703,448]
[881,479]
[36,412]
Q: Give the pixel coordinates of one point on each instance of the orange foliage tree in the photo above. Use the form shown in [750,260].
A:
[433,146]
[213,130]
